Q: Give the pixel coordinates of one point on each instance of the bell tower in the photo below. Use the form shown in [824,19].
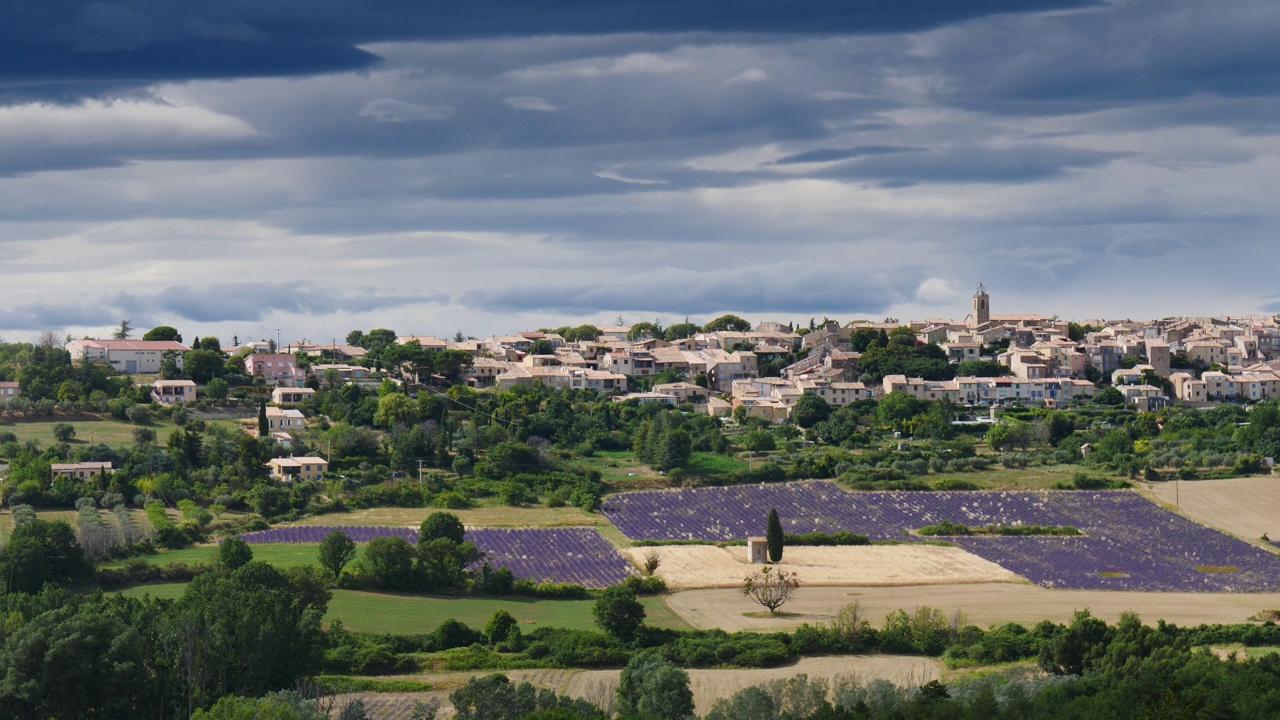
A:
[981,307]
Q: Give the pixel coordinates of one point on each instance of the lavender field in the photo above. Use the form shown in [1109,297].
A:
[1128,542]
[564,555]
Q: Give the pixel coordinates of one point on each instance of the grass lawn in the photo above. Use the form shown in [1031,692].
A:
[384,613]
[164,591]
[705,463]
[88,432]
[1000,478]
[486,516]
[276,554]
[620,468]
[404,614]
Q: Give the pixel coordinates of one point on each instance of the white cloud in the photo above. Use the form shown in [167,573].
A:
[632,64]
[837,95]
[526,102]
[752,75]
[936,291]
[610,175]
[389,110]
[95,122]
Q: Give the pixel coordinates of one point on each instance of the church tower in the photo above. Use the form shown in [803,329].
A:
[981,307]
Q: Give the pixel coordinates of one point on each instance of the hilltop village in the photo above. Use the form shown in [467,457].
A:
[730,367]
[837,521]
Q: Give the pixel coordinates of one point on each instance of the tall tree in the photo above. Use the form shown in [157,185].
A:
[124,331]
[163,332]
[336,551]
[619,613]
[254,630]
[774,537]
[41,551]
[651,687]
[441,525]
[234,553]
[731,323]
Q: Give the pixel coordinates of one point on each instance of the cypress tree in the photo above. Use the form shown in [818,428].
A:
[264,428]
[773,537]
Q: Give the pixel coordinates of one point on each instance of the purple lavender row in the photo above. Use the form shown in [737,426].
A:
[1129,543]
[564,555]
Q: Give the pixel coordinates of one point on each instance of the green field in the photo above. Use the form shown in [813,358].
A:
[483,516]
[1000,478]
[403,614]
[621,468]
[90,432]
[276,554]
[705,463]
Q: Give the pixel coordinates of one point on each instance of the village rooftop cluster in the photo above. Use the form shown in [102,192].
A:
[1152,363]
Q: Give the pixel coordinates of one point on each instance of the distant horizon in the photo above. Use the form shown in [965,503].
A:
[189,333]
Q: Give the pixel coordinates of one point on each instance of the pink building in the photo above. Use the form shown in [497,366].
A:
[276,368]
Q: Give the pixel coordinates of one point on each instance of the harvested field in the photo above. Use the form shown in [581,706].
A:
[983,605]
[711,685]
[708,566]
[707,685]
[1245,507]
[398,706]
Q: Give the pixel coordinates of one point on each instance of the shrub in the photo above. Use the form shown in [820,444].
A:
[550,590]
[139,415]
[827,539]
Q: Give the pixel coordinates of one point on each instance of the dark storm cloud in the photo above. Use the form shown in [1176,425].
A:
[214,303]
[834,154]
[67,47]
[786,287]
[973,164]
[1140,50]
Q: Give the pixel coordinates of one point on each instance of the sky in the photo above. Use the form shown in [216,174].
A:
[249,168]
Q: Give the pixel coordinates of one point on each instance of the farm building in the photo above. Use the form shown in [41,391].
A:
[297,468]
[80,470]
[127,356]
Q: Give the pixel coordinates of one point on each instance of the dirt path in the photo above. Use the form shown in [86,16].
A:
[1245,507]
[983,604]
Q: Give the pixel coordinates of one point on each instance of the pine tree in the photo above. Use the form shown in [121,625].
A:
[773,537]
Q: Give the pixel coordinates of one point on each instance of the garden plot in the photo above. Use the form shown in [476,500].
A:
[709,566]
